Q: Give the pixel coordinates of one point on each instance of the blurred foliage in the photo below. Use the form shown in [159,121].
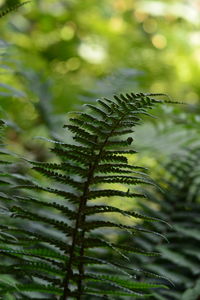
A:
[178,204]
[73,43]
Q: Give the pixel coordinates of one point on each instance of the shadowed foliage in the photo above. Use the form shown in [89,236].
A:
[179,205]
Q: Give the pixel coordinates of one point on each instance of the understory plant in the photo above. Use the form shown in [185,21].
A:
[179,205]
[57,234]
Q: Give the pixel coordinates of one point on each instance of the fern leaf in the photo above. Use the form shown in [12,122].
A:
[130,284]
[97,111]
[42,253]
[73,156]
[119,144]
[67,167]
[96,242]
[37,237]
[89,260]
[110,193]
[194,233]
[114,158]
[111,281]
[98,224]
[64,209]
[60,178]
[179,259]
[40,268]
[24,214]
[90,210]
[70,196]
[130,180]
[114,293]
[93,120]
[48,289]
[81,132]
[88,126]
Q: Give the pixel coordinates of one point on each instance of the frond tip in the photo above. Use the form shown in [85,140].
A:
[9,9]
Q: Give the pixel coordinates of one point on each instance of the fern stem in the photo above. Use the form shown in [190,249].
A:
[80,220]
[69,271]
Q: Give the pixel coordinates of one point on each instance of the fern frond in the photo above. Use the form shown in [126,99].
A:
[59,242]
[179,204]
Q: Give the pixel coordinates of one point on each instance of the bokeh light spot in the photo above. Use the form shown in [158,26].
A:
[196,55]
[92,52]
[184,70]
[73,63]
[159,41]
[117,24]
[67,33]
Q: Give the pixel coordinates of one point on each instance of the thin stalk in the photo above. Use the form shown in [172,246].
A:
[69,270]
[80,220]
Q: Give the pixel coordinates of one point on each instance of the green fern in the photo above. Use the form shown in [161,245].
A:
[192,293]
[178,205]
[59,250]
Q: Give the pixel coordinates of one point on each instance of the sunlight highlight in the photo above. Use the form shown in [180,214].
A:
[159,41]
[92,52]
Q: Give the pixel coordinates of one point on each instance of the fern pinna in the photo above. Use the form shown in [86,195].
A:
[59,250]
[10,8]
